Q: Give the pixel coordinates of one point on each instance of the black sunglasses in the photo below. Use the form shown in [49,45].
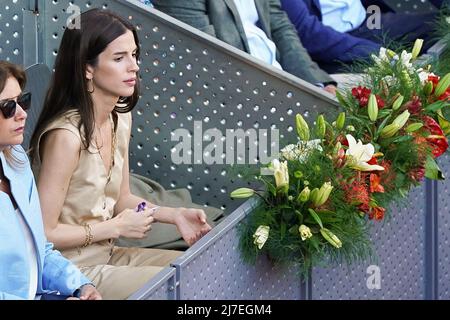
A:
[8,107]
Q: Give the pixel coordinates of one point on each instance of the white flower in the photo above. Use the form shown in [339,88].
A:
[423,75]
[389,56]
[307,147]
[261,235]
[405,58]
[301,150]
[358,154]
[448,20]
[280,171]
[305,232]
[290,152]
[389,80]
[382,56]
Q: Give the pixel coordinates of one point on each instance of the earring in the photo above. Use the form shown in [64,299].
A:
[90,81]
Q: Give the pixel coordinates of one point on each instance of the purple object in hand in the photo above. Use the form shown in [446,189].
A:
[141,206]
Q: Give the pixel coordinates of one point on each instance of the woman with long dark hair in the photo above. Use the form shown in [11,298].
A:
[80,152]
[28,264]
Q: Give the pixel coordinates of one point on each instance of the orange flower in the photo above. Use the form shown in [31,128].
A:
[377,213]
[356,192]
[375,185]
[387,179]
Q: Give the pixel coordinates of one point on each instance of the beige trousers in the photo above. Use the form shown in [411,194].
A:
[128,270]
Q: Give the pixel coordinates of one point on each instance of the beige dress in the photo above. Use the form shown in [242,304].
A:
[117,272]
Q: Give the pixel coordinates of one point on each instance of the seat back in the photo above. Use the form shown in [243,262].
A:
[38,80]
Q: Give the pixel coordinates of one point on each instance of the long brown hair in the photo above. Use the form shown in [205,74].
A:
[8,70]
[69,88]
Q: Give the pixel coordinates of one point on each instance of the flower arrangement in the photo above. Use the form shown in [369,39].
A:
[324,191]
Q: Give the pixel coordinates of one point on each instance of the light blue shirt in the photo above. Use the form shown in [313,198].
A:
[17,266]
[31,253]
[342,15]
[261,47]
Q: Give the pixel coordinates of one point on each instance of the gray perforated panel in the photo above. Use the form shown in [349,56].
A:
[160,287]
[186,78]
[11,31]
[400,247]
[219,273]
[216,270]
[443,236]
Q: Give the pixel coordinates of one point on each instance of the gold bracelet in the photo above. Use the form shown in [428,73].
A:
[89,236]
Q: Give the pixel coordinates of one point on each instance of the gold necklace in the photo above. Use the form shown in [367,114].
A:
[113,149]
[96,140]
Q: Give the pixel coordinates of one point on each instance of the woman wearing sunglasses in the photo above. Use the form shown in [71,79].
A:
[80,153]
[28,265]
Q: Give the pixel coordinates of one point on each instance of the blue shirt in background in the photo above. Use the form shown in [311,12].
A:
[260,45]
[342,15]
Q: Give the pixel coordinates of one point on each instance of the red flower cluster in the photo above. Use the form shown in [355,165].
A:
[362,94]
[358,193]
[414,106]
[445,96]
[436,139]
[435,81]
[417,174]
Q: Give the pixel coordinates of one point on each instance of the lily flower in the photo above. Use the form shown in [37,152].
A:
[305,232]
[405,58]
[331,238]
[261,235]
[323,194]
[304,195]
[242,193]
[280,171]
[358,154]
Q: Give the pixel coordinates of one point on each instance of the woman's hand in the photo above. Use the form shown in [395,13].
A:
[331,89]
[192,225]
[132,224]
[89,292]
